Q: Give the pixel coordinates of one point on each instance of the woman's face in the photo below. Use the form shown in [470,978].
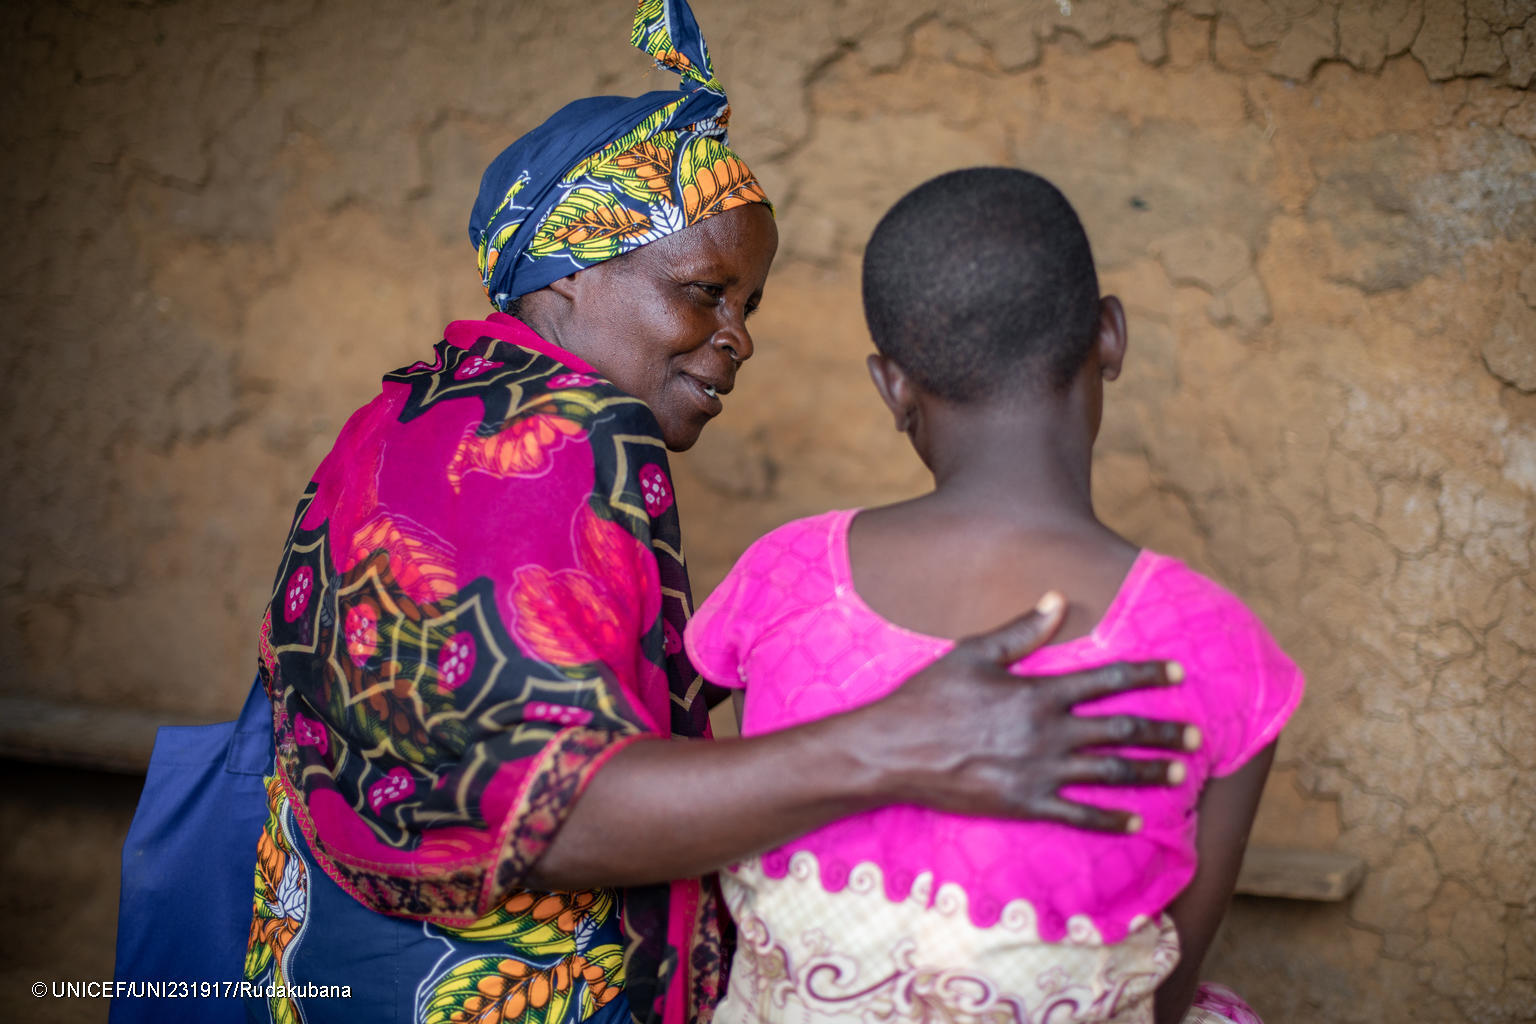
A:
[667,322]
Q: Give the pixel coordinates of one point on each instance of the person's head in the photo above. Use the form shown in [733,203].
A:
[667,321]
[627,231]
[980,290]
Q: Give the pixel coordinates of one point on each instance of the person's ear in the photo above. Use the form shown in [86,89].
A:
[1111,340]
[895,387]
[566,287]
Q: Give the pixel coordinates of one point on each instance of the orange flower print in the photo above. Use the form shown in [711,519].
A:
[422,568]
[592,613]
[565,618]
[614,556]
[522,449]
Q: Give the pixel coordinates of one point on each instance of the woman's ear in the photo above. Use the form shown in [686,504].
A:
[549,310]
[566,287]
[1111,340]
[546,311]
[895,387]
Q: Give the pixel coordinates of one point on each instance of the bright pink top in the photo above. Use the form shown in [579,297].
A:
[787,624]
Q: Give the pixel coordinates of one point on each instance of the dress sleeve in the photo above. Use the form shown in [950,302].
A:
[1265,687]
[467,625]
[721,632]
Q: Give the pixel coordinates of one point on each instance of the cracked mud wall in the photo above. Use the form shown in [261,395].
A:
[227,220]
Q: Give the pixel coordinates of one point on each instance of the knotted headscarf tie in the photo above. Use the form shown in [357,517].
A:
[607,174]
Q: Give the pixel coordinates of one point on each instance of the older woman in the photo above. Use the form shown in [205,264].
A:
[473,647]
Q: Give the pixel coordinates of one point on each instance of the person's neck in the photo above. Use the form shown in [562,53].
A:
[1031,469]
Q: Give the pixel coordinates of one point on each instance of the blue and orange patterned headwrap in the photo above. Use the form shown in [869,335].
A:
[608,174]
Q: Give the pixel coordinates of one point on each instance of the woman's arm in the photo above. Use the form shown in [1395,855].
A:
[1227,806]
[963,735]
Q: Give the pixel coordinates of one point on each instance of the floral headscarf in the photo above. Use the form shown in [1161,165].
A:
[608,174]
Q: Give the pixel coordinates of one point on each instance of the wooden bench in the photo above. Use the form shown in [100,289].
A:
[80,735]
[1299,874]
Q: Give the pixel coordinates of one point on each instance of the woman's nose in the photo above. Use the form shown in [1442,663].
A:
[735,340]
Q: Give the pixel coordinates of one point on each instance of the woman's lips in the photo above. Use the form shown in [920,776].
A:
[705,395]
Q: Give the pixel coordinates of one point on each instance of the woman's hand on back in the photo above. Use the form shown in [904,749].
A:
[968,735]
[962,735]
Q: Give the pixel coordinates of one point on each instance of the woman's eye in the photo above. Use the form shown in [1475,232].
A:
[711,291]
[749,311]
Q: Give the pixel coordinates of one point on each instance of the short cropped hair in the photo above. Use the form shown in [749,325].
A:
[981,281]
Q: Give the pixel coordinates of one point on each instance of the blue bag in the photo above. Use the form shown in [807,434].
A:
[188,868]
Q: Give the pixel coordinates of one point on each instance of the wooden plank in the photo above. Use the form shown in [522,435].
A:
[80,735]
[1299,874]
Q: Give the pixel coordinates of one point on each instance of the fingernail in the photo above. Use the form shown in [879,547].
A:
[1177,773]
[1134,825]
[1191,737]
[1050,604]
[1175,672]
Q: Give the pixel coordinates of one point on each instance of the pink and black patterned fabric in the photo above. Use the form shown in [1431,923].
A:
[480,602]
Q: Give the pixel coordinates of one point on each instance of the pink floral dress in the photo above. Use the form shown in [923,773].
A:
[908,913]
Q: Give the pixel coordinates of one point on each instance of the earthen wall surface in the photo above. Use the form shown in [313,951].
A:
[227,220]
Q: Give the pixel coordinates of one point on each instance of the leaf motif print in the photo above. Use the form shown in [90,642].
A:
[629,140]
[714,179]
[540,924]
[588,222]
[651,35]
[602,969]
[649,32]
[643,171]
[492,990]
[507,200]
[667,217]
[665,220]
[525,986]
[489,249]
[281,902]
[523,448]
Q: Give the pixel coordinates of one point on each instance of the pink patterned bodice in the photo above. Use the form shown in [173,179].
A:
[787,624]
